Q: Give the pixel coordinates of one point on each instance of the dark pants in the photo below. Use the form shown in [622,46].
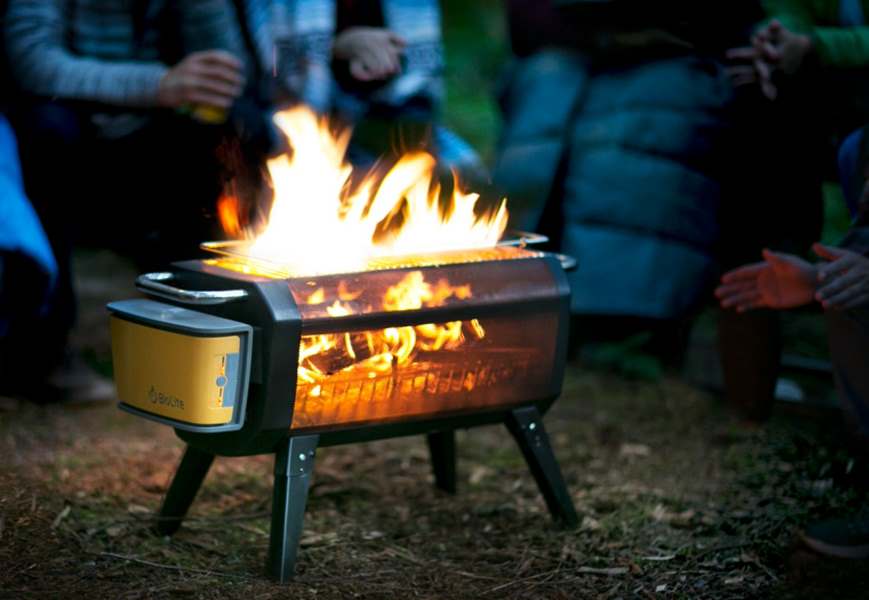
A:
[150,194]
[772,199]
[849,347]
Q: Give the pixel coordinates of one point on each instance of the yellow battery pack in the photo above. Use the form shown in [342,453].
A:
[180,367]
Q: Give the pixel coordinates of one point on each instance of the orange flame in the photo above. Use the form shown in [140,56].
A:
[379,351]
[321,224]
[228,210]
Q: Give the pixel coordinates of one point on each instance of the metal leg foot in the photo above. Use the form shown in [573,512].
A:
[294,463]
[442,446]
[188,478]
[526,425]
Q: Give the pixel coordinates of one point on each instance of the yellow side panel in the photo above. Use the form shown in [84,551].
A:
[170,374]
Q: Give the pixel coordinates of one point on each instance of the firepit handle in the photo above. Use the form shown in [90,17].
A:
[154,284]
[568,263]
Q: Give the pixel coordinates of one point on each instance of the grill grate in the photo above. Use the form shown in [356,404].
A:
[236,256]
[423,387]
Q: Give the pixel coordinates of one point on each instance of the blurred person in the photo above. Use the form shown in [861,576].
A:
[801,86]
[28,270]
[118,109]
[615,121]
[373,64]
[840,285]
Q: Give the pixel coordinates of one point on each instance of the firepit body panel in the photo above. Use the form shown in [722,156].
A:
[406,347]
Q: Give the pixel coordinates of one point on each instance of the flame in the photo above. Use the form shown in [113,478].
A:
[325,220]
[319,223]
[379,351]
[228,210]
[318,296]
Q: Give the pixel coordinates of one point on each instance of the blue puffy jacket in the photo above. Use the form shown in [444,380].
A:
[632,154]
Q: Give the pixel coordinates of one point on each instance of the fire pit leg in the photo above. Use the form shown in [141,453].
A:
[442,447]
[188,478]
[294,463]
[526,425]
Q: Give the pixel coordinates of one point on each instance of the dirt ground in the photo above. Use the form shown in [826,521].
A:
[675,501]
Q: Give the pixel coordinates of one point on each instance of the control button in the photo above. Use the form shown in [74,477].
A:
[221,381]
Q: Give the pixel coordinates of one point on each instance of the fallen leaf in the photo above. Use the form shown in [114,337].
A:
[61,516]
[256,530]
[681,519]
[115,530]
[318,539]
[609,572]
[136,509]
[589,524]
[479,473]
[635,450]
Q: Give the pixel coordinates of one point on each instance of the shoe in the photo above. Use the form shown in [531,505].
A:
[841,538]
[72,383]
[788,390]
[75,383]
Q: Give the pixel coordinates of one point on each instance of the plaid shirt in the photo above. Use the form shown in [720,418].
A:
[112,52]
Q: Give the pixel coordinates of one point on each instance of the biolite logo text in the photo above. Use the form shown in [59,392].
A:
[158,397]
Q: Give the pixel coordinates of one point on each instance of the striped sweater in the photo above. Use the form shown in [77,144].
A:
[110,51]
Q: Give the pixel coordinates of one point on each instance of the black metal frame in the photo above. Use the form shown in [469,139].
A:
[294,466]
[269,308]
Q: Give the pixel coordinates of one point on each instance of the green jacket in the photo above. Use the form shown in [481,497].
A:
[836,46]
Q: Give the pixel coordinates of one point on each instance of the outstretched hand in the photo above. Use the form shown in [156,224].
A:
[844,280]
[780,281]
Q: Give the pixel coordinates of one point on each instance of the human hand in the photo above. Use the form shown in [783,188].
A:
[780,281]
[752,67]
[844,281]
[373,52]
[785,49]
[210,78]
[775,48]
